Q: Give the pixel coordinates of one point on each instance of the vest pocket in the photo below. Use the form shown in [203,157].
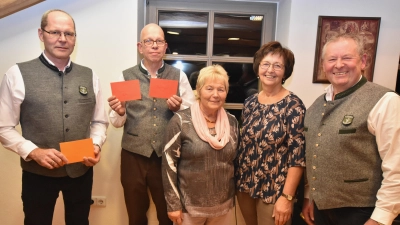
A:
[85,100]
[130,133]
[347,131]
[356,180]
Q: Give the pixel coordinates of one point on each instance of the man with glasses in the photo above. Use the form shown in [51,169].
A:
[54,100]
[144,123]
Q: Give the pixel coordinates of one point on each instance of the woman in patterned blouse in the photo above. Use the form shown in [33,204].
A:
[271,160]
[200,148]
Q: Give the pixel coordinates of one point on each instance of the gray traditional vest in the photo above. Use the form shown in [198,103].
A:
[343,163]
[147,118]
[57,108]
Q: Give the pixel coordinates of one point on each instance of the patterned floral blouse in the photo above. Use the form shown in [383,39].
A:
[271,141]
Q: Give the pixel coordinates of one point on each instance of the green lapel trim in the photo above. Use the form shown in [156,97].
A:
[352,89]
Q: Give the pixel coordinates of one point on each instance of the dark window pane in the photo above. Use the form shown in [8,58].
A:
[237,113]
[243,81]
[245,35]
[191,68]
[185,32]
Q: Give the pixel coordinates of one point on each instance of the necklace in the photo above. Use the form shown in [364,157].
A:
[205,117]
[209,120]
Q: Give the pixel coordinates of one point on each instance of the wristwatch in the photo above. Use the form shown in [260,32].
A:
[288,197]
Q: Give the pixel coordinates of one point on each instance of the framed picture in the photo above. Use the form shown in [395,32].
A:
[366,27]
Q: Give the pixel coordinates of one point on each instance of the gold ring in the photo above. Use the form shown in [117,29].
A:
[302,216]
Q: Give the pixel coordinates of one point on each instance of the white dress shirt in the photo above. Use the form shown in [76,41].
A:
[12,94]
[185,91]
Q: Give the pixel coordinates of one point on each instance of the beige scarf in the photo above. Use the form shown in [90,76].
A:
[222,127]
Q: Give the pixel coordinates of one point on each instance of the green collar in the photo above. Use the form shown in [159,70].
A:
[145,72]
[352,89]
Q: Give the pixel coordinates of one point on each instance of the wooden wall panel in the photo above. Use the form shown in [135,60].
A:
[8,7]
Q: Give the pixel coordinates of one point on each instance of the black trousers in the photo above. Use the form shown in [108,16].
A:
[137,174]
[344,216]
[40,193]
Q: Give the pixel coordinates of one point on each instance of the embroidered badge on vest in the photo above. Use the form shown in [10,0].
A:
[83,90]
[347,120]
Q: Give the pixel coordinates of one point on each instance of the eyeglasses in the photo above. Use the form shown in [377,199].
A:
[149,42]
[275,66]
[57,34]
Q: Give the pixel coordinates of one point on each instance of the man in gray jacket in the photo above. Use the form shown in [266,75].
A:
[54,100]
[144,124]
[353,145]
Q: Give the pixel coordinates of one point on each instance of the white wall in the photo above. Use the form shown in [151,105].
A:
[303,32]
[283,22]
[107,43]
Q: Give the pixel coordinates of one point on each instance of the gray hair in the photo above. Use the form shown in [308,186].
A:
[356,38]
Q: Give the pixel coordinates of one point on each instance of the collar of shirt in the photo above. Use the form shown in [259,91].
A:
[48,60]
[141,63]
[329,91]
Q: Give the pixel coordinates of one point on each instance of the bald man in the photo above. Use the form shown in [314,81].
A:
[144,122]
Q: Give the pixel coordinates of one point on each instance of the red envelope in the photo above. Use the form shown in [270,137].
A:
[163,88]
[76,150]
[126,90]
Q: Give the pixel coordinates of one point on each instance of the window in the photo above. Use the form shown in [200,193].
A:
[185,32]
[236,34]
[216,32]
[191,69]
